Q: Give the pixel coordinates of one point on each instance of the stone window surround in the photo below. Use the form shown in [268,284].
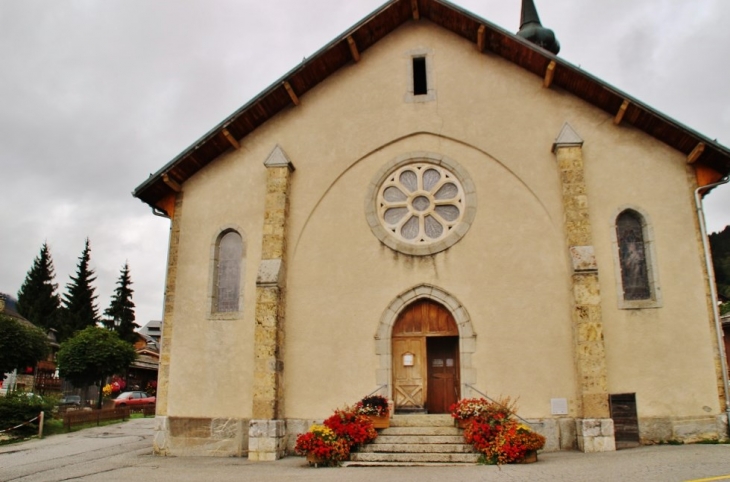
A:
[212,274]
[652,269]
[458,232]
[426,53]
[467,337]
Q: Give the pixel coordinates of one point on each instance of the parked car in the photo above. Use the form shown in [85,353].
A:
[70,401]
[134,398]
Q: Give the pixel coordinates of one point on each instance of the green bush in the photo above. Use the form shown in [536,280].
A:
[19,407]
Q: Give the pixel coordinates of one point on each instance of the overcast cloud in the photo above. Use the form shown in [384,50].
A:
[97,94]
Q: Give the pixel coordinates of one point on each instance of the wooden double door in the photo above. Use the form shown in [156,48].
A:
[425,358]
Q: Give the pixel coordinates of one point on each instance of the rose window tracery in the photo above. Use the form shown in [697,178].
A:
[420,203]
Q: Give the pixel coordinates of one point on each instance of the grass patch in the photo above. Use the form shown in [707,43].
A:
[670,442]
[714,441]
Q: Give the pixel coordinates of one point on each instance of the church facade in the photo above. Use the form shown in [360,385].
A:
[433,208]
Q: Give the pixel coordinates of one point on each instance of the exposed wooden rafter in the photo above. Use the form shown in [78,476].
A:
[353,48]
[549,74]
[291,93]
[696,153]
[229,137]
[171,183]
[485,35]
[621,112]
[481,36]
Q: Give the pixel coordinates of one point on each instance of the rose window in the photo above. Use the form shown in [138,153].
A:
[420,203]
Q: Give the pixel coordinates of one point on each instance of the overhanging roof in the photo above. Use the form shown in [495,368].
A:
[342,51]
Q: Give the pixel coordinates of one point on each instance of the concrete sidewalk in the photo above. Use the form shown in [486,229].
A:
[123,452]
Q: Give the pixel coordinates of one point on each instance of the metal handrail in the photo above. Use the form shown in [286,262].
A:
[494,401]
[377,390]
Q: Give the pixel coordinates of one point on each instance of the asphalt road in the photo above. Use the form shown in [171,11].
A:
[122,452]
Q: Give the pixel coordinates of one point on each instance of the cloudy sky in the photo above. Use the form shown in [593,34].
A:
[97,94]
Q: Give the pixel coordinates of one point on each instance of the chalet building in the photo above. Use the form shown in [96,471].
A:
[435,208]
[142,373]
[152,330]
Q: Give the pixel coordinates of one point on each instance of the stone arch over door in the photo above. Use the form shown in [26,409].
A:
[383,337]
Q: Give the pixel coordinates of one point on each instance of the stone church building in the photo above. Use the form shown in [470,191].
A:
[436,208]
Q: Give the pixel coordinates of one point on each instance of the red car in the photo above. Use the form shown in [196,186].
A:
[133,399]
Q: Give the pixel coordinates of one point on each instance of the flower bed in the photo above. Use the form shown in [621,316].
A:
[345,430]
[351,426]
[323,446]
[492,430]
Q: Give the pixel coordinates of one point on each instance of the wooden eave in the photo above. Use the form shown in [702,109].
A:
[494,41]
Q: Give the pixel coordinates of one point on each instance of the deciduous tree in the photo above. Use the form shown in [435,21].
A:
[93,354]
[21,344]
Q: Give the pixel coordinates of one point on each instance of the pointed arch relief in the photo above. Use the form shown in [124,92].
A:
[384,338]
[435,158]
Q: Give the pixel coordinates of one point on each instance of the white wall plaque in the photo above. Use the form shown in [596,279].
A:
[559,406]
[408,359]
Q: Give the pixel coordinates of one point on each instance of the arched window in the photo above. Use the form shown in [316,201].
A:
[227,289]
[632,253]
[638,283]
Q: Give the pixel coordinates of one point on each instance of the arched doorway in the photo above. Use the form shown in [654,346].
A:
[426,365]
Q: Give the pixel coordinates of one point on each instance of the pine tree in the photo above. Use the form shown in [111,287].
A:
[120,314]
[37,299]
[79,301]
[720,247]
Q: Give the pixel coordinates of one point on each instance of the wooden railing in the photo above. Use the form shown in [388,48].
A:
[82,417]
[73,417]
[46,365]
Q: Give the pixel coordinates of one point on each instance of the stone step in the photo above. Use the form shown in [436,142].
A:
[403,464]
[412,420]
[416,440]
[419,439]
[411,458]
[452,431]
[416,448]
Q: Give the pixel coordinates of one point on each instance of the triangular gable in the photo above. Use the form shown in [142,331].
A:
[287,92]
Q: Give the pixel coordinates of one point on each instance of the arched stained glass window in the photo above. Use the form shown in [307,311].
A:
[229,251]
[633,256]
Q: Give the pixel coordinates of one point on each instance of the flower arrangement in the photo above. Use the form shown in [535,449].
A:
[343,431]
[482,408]
[495,433]
[151,387]
[351,426]
[107,391]
[323,444]
[374,405]
[117,386]
[531,440]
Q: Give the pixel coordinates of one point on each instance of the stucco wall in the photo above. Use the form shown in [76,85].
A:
[510,271]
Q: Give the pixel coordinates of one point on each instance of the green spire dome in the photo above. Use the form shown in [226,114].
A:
[531,29]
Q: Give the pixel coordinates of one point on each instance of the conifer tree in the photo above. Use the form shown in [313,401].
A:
[120,314]
[79,301]
[720,247]
[38,301]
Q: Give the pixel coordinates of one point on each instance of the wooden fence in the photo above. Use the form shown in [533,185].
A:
[81,417]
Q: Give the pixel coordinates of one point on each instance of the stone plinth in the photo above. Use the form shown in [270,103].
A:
[595,435]
[266,440]
[200,436]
